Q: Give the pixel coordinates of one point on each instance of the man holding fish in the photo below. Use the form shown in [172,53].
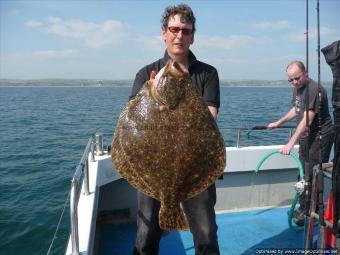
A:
[178,29]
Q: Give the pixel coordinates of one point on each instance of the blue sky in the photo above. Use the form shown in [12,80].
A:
[113,39]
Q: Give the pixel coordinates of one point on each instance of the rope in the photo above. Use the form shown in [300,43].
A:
[58,226]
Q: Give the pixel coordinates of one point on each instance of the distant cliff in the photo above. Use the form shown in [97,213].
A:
[262,83]
[129,83]
[64,83]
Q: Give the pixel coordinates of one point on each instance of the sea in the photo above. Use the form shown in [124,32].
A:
[44,131]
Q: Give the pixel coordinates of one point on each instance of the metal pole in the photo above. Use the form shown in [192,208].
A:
[74,196]
[74,218]
[92,151]
[238,138]
[86,177]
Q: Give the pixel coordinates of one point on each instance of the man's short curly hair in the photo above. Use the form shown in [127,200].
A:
[186,15]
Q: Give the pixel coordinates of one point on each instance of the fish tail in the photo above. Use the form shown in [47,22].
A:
[172,219]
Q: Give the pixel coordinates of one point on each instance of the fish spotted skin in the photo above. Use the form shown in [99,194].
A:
[167,144]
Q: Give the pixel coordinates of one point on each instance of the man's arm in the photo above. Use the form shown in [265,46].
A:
[300,130]
[211,94]
[288,116]
[213,111]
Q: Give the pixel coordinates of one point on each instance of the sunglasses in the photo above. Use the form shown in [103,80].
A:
[185,31]
[294,79]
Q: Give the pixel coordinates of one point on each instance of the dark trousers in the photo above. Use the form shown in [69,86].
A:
[336,166]
[314,155]
[200,214]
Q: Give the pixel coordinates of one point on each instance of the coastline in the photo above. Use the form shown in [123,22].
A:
[128,83]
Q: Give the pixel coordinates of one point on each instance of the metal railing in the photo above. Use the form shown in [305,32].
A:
[248,130]
[82,169]
[94,145]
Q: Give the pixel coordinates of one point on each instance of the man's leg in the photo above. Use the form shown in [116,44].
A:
[327,143]
[299,214]
[314,159]
[148,231]
[201,217]
[315,155]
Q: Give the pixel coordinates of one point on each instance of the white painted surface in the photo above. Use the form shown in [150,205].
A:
[247,158]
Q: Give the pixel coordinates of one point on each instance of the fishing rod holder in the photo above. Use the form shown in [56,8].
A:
[99,144]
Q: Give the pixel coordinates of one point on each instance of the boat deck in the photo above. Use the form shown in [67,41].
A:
[261,231]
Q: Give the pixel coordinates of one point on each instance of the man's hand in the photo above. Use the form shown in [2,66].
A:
[273,125]
[155,77]
[285,150]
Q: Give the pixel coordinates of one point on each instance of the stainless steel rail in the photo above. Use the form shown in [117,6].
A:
[81,168]
[248,130]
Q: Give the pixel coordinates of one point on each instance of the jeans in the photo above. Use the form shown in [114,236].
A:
[200,214]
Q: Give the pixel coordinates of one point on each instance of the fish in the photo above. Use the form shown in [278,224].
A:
[167,144]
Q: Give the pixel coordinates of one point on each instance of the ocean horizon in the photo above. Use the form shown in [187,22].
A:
[129,83]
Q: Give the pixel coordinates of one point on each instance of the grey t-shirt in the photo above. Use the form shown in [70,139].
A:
[298,101]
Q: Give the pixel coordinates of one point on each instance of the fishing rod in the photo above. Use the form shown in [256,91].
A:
[309,221]
[320,185]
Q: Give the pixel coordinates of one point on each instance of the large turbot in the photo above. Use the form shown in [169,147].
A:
[167,144]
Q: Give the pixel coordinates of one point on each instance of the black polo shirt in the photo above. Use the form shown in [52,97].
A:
[204,76]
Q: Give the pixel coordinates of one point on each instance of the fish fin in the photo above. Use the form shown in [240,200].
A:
[172,219]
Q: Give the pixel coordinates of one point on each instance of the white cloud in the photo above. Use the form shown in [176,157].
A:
[94,35]
[53,19]
[274,25]
[150,43]
[47,54]
[228,61]
[300,36]
[326,31]
[226,43]
[54,53]
[32,23]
